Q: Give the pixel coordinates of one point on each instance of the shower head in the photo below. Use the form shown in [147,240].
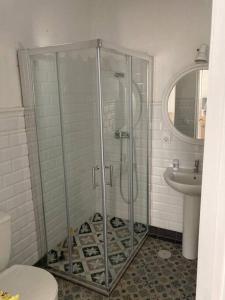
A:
[119,75]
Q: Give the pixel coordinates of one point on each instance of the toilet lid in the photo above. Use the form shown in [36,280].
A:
[29,282]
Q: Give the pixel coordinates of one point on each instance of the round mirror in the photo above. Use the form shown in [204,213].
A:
[185,104]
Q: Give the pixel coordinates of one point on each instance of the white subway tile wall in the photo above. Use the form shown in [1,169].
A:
[15,186]
[166,204]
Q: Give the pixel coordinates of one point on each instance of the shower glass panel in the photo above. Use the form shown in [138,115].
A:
[140,146]
[89,102]
[50,145]
[115,79]
[81,145]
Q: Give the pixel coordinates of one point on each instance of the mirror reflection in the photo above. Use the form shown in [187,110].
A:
[187,104]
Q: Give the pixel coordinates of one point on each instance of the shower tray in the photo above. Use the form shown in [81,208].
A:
[88,262]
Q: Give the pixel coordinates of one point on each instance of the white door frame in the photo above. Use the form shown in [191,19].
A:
[211,263]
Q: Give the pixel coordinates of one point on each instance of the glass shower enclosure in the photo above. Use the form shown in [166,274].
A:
[87,114]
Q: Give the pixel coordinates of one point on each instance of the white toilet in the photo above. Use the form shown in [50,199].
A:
[27,281]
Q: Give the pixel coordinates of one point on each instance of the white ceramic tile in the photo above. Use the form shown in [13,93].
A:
[15,187]
[166,203]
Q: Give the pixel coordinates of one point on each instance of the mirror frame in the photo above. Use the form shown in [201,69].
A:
[167,92]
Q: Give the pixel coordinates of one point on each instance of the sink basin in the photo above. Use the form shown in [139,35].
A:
[189,183]
[184,181]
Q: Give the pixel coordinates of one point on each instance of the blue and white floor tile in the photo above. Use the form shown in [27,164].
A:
[149,277]
[88,248]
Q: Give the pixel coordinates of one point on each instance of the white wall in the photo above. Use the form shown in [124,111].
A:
[32,24]
[211,263]
[169,30]
[15,187]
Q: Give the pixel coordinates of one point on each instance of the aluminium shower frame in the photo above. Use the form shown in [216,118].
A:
[28,93]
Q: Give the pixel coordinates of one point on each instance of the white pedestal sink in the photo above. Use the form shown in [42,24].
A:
[189,184]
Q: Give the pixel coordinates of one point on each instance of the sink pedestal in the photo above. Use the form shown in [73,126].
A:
[188,182]
[191,214]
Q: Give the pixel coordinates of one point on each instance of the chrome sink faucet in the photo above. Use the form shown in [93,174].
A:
[196,168]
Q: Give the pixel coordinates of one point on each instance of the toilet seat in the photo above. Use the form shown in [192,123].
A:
[29,282]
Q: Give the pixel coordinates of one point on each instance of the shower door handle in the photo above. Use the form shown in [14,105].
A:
[110,168]
[94,169]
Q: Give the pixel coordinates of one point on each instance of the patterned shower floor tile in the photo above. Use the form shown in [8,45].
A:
[87,248]
[149,277]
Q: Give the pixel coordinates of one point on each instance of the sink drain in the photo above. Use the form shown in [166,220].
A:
[164,254]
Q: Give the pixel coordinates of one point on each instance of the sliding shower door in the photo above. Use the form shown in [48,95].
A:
[68,127]
[79,105]
[115,79]
[125,130]
[50,158]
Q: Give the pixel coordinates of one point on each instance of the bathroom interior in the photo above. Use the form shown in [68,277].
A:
[103,109]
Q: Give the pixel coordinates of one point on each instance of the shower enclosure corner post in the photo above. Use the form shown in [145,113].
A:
[131,149]
[150,68]
[102,160]
[149,146]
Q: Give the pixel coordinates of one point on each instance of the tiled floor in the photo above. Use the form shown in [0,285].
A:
[149,277]
[88,252]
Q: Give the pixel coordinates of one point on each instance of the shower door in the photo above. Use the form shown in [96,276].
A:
[77,78]
[67,122]
[46,155]
[115,83]
[125,129]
